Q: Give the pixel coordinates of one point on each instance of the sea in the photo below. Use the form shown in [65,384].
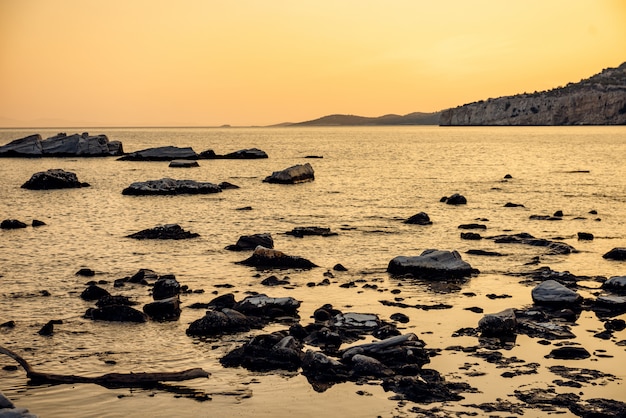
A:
[368,180]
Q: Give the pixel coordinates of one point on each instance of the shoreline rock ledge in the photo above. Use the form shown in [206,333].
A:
[62,145]
[432,264]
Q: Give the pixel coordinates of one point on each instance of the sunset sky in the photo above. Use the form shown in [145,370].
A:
[261,62]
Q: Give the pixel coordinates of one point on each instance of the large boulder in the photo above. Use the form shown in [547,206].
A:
[299,173]
[270,258]
[167,153]
[53,179]
[165,287]
[250,242]
[432,264]
[168,231]
[498,324]
[616,284]
[163,309]
[62,145]
[168,186]
[552,292]
[618,253]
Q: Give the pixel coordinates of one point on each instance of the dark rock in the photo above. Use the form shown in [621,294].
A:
[616,284]
[53,179]
[365,366]
[319,368]
[143,276]
[432,264]
[400,317]
[48,329]
[399,352]
[168,231]
[37,223]
[226,321]
[455,199]
[109,300]
[207,155]
[86,272]
[618,253]
[168,186]
[508,176]
[545,218]
[472,226]
[166,153]
[484,253]
[421,218]
[299,173]
[471,236]
[93,292]
[274,281]
[224,301]
[165,287]
[250,242]
[513,205]
[422,388]
[227,186]
[163,309]
[267,352]
[553,247]
[264,306]
[339,267]
[245,208]
[62,145]
[245,154]
[115,313]
[12,224]
[551,292]
[8,324]
[615,325]
[270,258]
[498,324]
[585,236]
[301,231]
[184,164]
[599,408]
[569,353]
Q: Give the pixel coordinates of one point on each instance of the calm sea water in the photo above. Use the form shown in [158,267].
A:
[368,181]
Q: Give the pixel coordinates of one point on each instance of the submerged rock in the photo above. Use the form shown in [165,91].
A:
[183,164]
[301,231]
[432,264]
[169,231]
[53,179]
[166,153]
[615,284]
[250,242]
[225,321]
[299,173]
[165,287]
[276,351]
[268,258]
[163,309]
[168,186]
[455,199]
[115,313]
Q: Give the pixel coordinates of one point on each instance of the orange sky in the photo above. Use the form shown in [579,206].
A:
[260,62]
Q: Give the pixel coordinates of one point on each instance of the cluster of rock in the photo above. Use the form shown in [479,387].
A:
[62,145]
[168,231]
[169,153]
[598,100]
[169,186]
[17,224]
[55,178]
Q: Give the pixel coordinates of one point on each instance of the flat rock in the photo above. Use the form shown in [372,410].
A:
[250,242]
[53,179]
[245,154]
[164,309]
[168,186]
[301,231]
[12,224]
[432,264]
[299,173]
[553,292]
[618,253]
[267,257]
[183,164]
[166,153]
[168,231]
[116,313]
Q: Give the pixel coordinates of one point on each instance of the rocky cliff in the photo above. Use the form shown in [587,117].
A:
[598,100]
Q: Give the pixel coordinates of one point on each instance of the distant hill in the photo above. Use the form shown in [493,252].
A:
[416,118]
[597,100]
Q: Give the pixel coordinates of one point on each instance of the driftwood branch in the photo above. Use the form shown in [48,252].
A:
[109,379]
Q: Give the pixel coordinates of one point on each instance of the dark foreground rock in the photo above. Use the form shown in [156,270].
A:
[432,264]
[167,153]
[552,292]
[270,258]
[168,231]
[250,242]
[164,309]
[618,253]
[62,145]
[299,173]
[455,199]
[12,224]
[53,179]
[420,218]
[168,186]
[115,313]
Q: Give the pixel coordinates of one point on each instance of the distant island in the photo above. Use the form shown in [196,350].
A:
[597,100]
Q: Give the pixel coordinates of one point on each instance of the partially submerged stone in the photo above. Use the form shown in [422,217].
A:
[183,164]
[432,264]
[299,173]
[301,231]
[270,258]
[115,313]
[553,292]
[167,309]
[615,284]
[264,306]
[420,218]
[12,224]
[168,186]
[618,253]
[168,231]
[497,324]
[166,153]
[53,179]
[250,242]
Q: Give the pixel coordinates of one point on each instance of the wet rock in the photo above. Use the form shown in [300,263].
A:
[365,366]
[85,272]
[401,353]
[163,309]
[274,281]
[264,306]
[245,154]
[428,387]
[108,300]
[552,292]
[168,186]
[558,214]
[455,199]
[319,368]
[484,253]
[400,317]
[266,352]
[94,292]
[166,153]
[48,329]
[165,287]
[53,179]
[250,242]
[553,247]
[207,155]
[432,264]
[8,410]
[599,408]
[270,258]
[224,301]
[226,321]
[420,218]
[227,186]
[62,145]
[12,224]
[545,218]
[355,321]
[299,173]
[37,223]
[497,324]
[585,236]
[301,231]
[471,236]
[618,253]
[184,164]
[168,231]
[339,267]
[513,205]
[569,353]
[115,313]
[472,226]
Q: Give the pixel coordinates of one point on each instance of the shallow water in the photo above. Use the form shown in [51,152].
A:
[368,181]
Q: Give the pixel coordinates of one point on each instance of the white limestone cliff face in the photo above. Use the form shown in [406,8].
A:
[599,100]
